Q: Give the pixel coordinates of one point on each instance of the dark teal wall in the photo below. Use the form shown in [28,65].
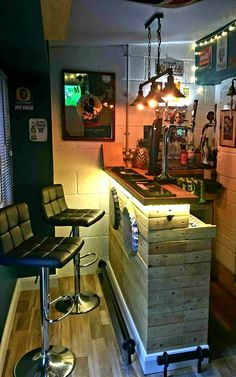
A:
[24,60]
[7,284]
[32,161]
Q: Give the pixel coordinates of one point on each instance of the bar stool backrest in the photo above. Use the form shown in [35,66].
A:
[53,200]
[15,226]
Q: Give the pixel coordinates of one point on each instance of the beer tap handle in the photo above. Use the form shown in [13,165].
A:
[194,111]
[215,112]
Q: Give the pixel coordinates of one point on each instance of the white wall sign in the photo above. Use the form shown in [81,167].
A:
[38,129]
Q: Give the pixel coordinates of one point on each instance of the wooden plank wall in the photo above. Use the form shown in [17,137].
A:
[225,218]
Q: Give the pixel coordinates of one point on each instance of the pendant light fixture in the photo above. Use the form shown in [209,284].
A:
[232,89]
[156,94]
[231,93]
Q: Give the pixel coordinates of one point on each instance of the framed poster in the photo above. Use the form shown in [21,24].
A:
[221,53]
[205,56]
[227,128]
[38,129]
[88,105]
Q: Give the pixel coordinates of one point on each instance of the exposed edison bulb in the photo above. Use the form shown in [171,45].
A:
[193,46]
[152,103]
[193,68]
[224,33]
[140,106]
[231,27]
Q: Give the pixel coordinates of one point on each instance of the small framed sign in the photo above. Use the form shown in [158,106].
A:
[227,128]
[38,129]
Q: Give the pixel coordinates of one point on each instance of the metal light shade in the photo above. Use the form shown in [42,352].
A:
[171,89]
[232,90]
[154,96]
[140,100]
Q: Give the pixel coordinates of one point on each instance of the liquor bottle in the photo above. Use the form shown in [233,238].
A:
[183,156]
[191,155]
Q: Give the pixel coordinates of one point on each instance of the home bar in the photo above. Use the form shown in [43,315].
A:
[118,188]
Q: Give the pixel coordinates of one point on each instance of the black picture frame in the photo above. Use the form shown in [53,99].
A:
[88,105]
[227,128]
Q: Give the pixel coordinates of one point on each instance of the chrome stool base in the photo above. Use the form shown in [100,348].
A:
[61,362]
[83,303]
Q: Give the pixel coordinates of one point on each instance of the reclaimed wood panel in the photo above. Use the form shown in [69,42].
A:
[166,285]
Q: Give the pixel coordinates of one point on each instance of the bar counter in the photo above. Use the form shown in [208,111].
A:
[159,266]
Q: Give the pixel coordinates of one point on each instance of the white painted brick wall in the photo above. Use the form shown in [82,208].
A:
[76,163]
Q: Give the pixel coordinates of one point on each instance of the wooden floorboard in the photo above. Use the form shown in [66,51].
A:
[92,339]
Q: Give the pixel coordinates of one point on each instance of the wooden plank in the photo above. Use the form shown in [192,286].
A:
[226,164]
[227,212]
[162,222]
[157,211]
[226,257]
[56,15]
[179,270]
[227,182]
[147,250]
[226,278]
[177,328]
[178,282]
[227,229]
[179,258]
[191,315]
[165,343]
[179,234]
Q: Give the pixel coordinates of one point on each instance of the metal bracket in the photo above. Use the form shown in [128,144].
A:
[198,354]
[157,15]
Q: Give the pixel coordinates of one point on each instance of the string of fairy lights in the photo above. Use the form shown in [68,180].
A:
[216,37]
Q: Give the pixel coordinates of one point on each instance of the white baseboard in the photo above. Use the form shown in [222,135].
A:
[148,361]
[30,283]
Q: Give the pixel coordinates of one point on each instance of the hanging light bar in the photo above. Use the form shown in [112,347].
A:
[156,94]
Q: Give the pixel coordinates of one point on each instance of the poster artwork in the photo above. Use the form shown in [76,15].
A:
[221,53]
[205,57]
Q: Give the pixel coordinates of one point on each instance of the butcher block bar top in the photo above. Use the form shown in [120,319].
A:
[146,190]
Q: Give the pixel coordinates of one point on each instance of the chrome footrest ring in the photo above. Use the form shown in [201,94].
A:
[89,263]
[70,298]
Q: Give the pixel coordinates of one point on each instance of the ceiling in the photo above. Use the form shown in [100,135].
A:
[112,22]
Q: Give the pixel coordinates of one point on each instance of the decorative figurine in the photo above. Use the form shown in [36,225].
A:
[207,142]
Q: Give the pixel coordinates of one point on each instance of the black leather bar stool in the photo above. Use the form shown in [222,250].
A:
[19,247]
[57,213]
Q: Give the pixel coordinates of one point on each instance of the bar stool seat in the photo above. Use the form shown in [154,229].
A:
[57,213]
[20,247]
